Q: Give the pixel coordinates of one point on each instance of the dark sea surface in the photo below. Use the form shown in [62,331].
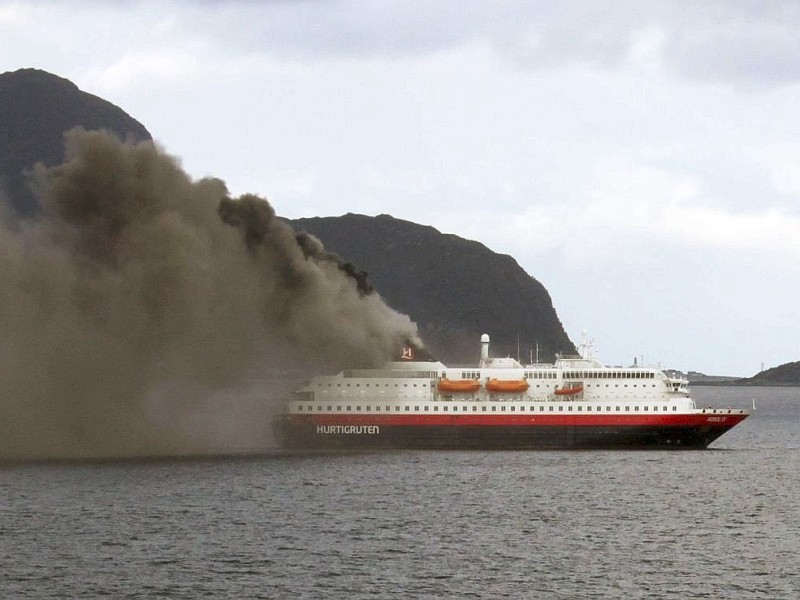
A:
[719,523]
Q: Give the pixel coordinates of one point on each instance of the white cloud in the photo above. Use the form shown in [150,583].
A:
[781,164]
[641,213]
[650,208]
[754,43]
[772,234]
[15,14]
[713,40]
[139,69]
[179,69]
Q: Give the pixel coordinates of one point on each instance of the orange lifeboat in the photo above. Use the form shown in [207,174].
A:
[459,385]
[569,391]
[507,385]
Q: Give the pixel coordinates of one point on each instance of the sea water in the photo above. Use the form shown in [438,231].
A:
[718,523]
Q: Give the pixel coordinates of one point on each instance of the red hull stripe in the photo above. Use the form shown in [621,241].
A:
[545,420]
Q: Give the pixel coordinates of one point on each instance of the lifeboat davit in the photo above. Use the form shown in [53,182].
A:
[459,385]
[507,385]
[569,391]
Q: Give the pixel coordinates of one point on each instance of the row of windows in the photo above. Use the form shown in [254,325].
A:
[616,385]
[384,373]
[590,375]
[377,385]
[609,375]
[540,375]
[484,408]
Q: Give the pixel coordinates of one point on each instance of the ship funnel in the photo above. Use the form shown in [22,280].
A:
[484,348]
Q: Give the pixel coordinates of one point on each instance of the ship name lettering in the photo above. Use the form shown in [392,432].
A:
[717,419]
[349,429]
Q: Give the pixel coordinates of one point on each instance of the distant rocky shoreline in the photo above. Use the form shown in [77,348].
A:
[786,375]
[743,383]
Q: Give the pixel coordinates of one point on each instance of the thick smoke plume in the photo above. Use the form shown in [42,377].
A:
[137,313]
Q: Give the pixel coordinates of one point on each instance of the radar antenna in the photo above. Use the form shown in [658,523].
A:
[586,345]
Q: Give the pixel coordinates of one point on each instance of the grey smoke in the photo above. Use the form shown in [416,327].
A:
[140,314]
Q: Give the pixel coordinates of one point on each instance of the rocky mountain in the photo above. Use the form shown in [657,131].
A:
[36,108]
[455,289]
[788,374]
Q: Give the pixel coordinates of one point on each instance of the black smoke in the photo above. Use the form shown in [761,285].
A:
[137,314]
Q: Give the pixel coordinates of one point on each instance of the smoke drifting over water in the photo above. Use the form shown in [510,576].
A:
[135,313]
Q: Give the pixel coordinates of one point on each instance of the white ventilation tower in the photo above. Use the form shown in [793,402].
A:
[484,349]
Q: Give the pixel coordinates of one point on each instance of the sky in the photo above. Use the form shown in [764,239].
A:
[640,158]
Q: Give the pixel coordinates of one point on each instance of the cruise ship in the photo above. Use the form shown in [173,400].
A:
[574,403]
